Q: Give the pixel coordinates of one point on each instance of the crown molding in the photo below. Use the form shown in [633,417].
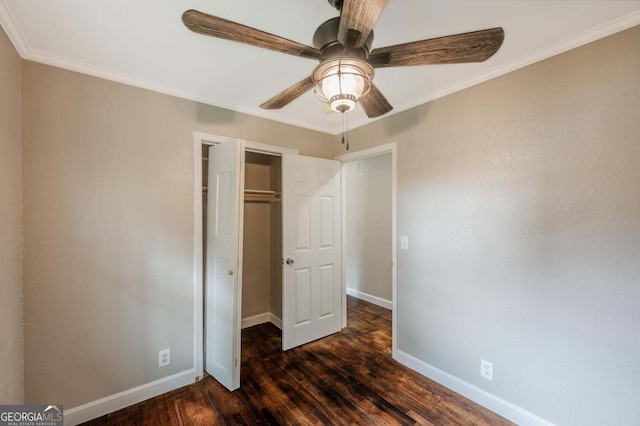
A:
[107,74]
[596,33]
[12,29]
[18,40]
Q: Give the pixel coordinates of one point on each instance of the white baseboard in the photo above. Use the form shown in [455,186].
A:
[255,320]
[496,404]
[115,402]
[275,321]
[387,304]
[261,319]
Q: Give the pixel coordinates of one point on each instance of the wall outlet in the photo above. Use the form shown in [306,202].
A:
[486,369]
[164,357]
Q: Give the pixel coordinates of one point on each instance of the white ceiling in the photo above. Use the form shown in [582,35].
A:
[145,44]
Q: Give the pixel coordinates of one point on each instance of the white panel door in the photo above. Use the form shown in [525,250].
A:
[223,285]
[311,245]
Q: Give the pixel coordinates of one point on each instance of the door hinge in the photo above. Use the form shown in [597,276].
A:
[236,362]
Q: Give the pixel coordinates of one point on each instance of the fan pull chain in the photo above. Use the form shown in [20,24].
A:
[347,132]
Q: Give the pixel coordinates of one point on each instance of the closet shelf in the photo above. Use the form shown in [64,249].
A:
[260,195]
[260,192]
[255,195]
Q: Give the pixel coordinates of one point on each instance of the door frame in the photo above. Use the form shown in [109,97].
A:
[199,139]
[389,148]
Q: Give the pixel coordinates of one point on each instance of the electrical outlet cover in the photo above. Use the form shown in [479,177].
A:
[486,369]
[164,357]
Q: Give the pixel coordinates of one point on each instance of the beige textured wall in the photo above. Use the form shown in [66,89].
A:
[256,266]
[368,230]
[108,197]
[521,199]
[11,336]
[262,251]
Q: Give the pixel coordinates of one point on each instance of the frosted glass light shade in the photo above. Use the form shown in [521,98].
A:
[341,82]
[342,86]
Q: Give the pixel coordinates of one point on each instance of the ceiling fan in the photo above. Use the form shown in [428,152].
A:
[343,47]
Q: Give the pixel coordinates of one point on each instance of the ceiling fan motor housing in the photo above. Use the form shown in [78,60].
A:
[344,75]
[326,40]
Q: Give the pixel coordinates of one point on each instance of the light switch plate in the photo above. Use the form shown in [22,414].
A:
[404,242]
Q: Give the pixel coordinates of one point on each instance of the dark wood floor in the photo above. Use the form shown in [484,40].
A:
[347,378]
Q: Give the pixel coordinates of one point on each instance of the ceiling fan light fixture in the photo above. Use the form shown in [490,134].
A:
[343,44]
[342,82]
[343,86]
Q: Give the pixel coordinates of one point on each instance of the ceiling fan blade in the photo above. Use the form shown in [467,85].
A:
[288,95]
[477,46]
[375,104]
[213,26]
[360,16]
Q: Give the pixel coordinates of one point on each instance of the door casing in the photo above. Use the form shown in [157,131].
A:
[199,139]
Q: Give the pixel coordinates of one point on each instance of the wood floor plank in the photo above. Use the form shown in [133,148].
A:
[346,378]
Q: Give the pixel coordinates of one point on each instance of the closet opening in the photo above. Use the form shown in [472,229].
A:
[262,241]
[261,204]
[260,245]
